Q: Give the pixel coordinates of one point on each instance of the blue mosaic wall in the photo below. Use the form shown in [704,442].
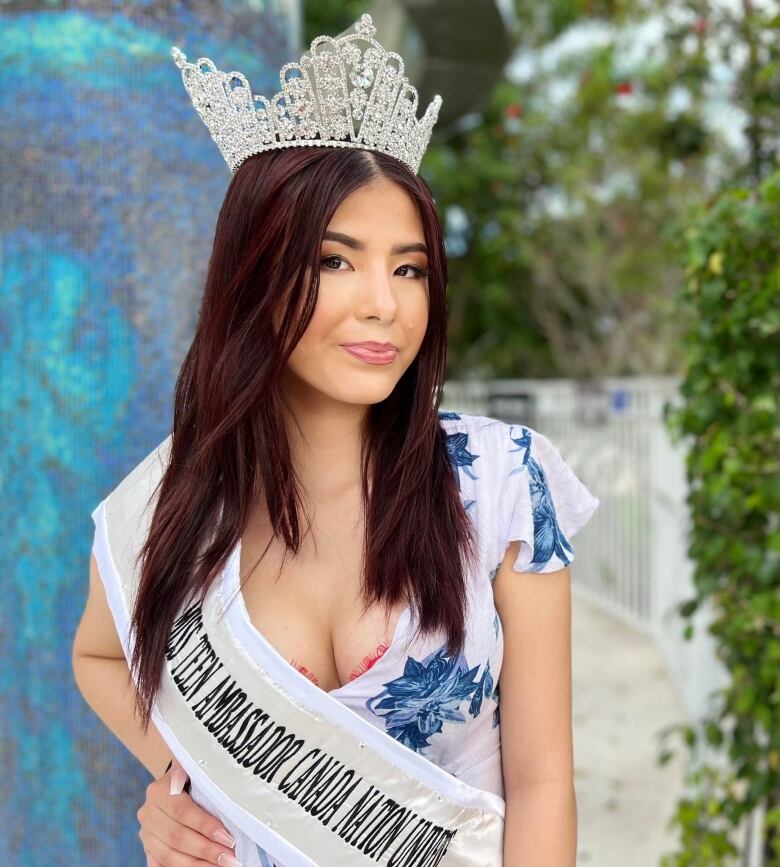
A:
[110,187]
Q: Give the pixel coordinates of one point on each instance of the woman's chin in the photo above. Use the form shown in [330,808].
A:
[353,391]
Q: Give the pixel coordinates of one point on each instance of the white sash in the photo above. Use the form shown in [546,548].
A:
[296,770]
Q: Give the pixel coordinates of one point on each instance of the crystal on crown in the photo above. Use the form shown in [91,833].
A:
[335,96]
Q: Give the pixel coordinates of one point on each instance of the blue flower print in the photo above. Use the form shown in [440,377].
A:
[427,694]
[523,442]
[459,455]
[493,572]
[484,690]
[449,415]
[548,536]
[265,859]
[495,624]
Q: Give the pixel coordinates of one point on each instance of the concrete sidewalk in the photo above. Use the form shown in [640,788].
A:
[621,698]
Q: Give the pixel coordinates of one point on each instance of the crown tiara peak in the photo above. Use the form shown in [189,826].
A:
[337,95]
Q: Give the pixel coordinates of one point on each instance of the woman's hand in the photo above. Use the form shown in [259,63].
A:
[175,831]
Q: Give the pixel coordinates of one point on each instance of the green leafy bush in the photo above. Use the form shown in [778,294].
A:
[731,416]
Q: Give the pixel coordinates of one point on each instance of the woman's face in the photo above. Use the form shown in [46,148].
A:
[370,290]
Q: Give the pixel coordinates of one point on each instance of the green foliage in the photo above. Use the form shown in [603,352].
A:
[731,417]
[329,17]
[573,205]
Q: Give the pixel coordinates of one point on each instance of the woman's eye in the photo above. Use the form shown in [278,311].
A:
[330,259]
[419,273]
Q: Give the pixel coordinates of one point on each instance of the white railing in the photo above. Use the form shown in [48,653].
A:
[632,557]
[606,431]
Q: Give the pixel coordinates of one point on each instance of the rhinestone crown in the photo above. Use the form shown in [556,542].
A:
[336,96]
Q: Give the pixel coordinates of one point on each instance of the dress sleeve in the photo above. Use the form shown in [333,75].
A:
[544,503]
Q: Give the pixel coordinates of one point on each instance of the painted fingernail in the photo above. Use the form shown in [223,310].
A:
[222,836]
[227,860]
[178,779]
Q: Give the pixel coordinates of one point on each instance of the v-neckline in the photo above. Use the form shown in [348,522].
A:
[257,642]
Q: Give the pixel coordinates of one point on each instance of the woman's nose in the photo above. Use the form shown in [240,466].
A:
[379,291]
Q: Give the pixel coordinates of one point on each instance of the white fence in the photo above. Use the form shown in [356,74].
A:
[632,557]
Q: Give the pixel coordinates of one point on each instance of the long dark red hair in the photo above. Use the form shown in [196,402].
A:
[229,443]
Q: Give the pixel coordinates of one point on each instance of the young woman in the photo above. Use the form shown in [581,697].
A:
[337,579]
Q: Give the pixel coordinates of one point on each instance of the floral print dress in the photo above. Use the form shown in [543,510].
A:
[515,485]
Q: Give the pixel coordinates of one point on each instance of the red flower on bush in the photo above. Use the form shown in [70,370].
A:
[514,109]
[624,87]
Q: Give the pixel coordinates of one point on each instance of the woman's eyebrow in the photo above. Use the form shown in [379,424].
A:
[355,244]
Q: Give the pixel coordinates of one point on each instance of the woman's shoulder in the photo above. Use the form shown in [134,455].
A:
[463,427]
[476,444]
[122,517]
[497,437]
[448,418]
[518,483]
[483,441]
[143,475]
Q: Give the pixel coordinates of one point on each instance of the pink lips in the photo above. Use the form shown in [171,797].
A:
[372,356]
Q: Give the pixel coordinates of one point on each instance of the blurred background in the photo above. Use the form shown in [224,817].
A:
[607,173]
